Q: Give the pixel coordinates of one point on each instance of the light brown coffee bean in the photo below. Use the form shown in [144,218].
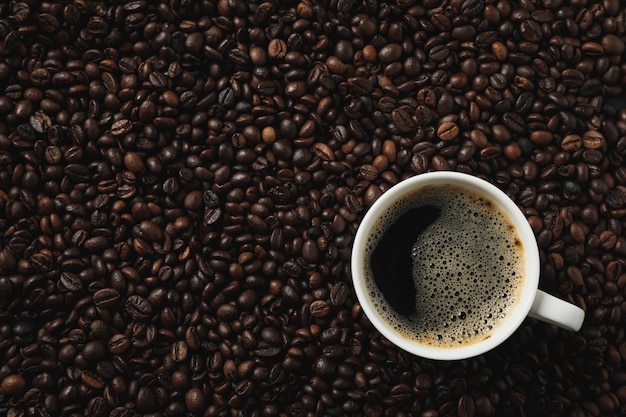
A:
[571,143]
[319,308]
[277,49]
[593,139]
[121,127]
[448,131]
[541,137]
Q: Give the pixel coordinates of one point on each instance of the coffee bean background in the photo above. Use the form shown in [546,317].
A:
[181,182]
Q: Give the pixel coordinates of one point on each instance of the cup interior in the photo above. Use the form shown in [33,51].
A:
[519,311]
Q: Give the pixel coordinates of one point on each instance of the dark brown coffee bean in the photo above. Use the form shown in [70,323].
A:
[271,335]
[498,81]
[146,400]
[179,351]
[133,162]
[439,52]
[110,83]
[121,127]
[310,252]
[319,308]
[592,48]
[389,53]
[106,297]
[194,400]
[368,172]
[268,351]
[118,344]
[91,379]
[541,137]
[238,56]
[77,172]
[531,30]
[592,156]
[472,8]
[524,102]
[514,122]
[323,151]
[402,120]
[490,152]
[227,312]
[97,26]
[96,244]
[360,86]
[591,88]
[466,407]
[295,89]
[96,407]
[352,203]
[572,78]
[612,44]
[339,293]
[70,281]
[158,79]
[138,308]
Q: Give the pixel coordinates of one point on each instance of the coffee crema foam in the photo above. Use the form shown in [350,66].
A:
[468,268]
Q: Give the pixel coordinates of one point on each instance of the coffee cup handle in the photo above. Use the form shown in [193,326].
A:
[555,311]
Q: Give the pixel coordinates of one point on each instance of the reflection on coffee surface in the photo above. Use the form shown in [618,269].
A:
[446,266]
[391,264]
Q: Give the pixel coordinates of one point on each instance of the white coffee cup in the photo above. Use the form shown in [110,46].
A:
[531,302]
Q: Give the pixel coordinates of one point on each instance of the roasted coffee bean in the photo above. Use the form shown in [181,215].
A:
[389,53]
[319,308]
[96,407]
[466,406]
[13,384]
[592,139]
[121,127]
[541,137]
[571,143]
[524,102]
[402,120]
[447,131]
[106,297]
[360,86]
[40,122]
[179,351]
[514,122]
[96,244]
[277,49]
[158,79]
[70,281]
[295,89]
[438,53]
[118,344]
[92,380]
[138,308]
[77,172]
[194,400]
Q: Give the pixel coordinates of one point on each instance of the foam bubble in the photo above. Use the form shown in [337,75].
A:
[467,268]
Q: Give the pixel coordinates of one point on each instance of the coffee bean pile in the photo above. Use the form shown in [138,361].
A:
[181,182]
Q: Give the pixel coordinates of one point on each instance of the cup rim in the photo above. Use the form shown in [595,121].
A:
[531,257]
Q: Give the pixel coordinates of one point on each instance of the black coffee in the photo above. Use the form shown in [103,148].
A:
[446,266]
